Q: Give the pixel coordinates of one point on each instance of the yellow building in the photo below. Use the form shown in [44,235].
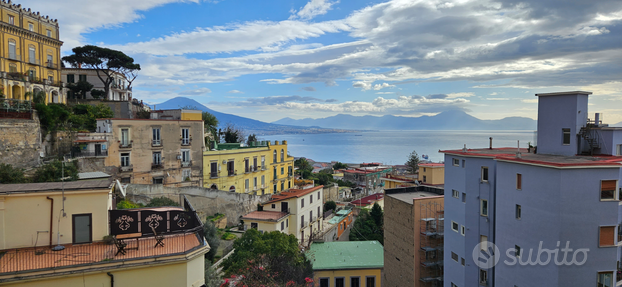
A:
[261,168]
[432,173]
[30,54]
[32,216]
[394,181]
[297,211]
[347,263]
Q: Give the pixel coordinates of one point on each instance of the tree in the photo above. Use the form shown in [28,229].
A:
[9,174]
[275,253]
[96,94]
[413,161]
[210,123]
[251,138]
[233,133]
[211,235]
[80,89]
[105,62]
[377,215]
[212,278]
[85,117]
[304,167]
[161,201]
[38,97]
[54,171]
[339,165]
[330,205]
[365,228]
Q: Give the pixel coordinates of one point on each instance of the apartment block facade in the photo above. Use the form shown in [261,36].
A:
[30,54]
[145,151]
[562,195]
[119,86]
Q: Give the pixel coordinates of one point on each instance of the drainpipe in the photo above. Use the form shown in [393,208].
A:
[111,279]
[51,218]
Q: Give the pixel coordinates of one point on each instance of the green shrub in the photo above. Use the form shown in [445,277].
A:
[126,204]
[228,236]
[162,201]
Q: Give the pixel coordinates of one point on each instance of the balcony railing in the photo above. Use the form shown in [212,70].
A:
[185,141]
[85,153]
[304,224]
[14,57]
[127,168]
[156,142]
[186,163]
[158,165]
[51,65]
[16,109]
[34,61]
[213,175]
[125,144]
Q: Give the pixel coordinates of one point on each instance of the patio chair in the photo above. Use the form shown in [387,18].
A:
[158,237]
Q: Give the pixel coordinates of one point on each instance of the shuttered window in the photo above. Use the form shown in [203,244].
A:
[519,181]
[607,189]
[607,236]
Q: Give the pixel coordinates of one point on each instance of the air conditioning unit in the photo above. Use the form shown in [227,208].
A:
[178,156]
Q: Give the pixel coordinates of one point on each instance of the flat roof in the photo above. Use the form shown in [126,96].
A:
[432,164]
[564,93]
[265,215]
[409,196]
[509,154]
[369,199]
[293,193]
[346,255]
[55,186]
[91,175]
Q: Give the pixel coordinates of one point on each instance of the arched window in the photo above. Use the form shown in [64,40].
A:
[12,68]
[12,50]
[282,156]
[274,156]
[232,188]
[214,186]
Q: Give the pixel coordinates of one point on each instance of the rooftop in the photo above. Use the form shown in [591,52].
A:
[293,193]
[409,196]
[346,255]
[368,199]
[339,216]
[51,186]
[509,154]
[432,164]
[92,175]
[265,215]
[564,93]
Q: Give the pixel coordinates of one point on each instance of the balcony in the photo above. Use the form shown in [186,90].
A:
[304,224]
[85,153]
[156,143]
[14,57]
[231,173]
[213,175]
[51,65]
[159,165]
[34,61]
[125,144]
[263,167]
[186,163]
[15,109]
[185,141]
[128,168]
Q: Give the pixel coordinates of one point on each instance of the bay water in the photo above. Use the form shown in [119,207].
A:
[393,147]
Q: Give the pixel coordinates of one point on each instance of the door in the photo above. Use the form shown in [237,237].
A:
[82,229]
[98,149]
[284,207]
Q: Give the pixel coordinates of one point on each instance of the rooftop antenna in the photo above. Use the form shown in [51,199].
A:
[62,211]
[464,149]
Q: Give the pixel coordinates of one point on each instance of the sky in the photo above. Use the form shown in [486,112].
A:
[268,59]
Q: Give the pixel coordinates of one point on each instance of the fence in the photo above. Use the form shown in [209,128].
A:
[15,109]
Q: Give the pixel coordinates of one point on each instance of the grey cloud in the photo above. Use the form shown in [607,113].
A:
[195,92]
[308,89]
[437,96]
[275,100]
[331,100]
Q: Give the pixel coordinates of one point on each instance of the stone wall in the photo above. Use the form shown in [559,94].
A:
[331,193]
[206,201]
[20,142]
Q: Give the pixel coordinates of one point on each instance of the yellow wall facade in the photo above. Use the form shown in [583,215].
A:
[191,115]
[281,163]
[23,214]
[432,175]
[238,181]
[346,274]
[188,273]
[23,73]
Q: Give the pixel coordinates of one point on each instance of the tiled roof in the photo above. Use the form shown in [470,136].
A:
[346,255]
[91,175]
[293,193]
[368,199]
[51,186]
[265,215]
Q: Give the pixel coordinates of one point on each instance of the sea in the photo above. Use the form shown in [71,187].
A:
[394,147]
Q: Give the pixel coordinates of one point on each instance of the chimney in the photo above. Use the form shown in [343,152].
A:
[490,145]
[464,149]
[597,119]
[518,155]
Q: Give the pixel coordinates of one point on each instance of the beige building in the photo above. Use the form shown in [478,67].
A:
[432,173]
[297,212]
[413,236]
[119,87]
[145,151]
[33,217]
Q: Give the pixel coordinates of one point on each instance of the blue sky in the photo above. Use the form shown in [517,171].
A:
[273,59]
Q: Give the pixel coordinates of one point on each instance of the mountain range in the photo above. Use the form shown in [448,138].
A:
[447,120]
[249,125]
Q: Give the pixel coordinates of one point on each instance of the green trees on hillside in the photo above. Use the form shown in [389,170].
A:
[369,225]
[8,174]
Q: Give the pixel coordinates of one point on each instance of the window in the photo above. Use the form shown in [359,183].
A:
[232,188]
[518,211]
[185,155]
[12,50]
[274,157]
[355,281]
[464,197]
[619,149]
[263,181]
[340,282]
[324,282]
[246,185]
[483,207]
[275,189]
[32,73]
[254,225]
[263,162]
[185,136]
[483,276]
[12,68]
[125,159]
[255,183]
[282,155]
[48,33]
[186,174]
[454,257]
[282,170]
[455,193]
[126,180]
[463,163]
[605,279]
[607,236]
[484,174]
[456,162]
[32,54]
[125,137]
[454,226]
[70,78]
[155,136]
[318,195]
[311,215]
[483,242]
[519,181]
[302,222]
[311,199]
[607,189]
[275,173]
[517,251]
[370,281]
[282,185]
[287,222]
[565,136]
[318,211]
[255,164]
[424,169]
[11,20]
[158,180]
[50,61]
[230,168]
[282,225]
[31,27]
[82,78]
[463,261]
[246,165]
[302,203]
[424,178]
[213,169]
[157,158]
[462,230]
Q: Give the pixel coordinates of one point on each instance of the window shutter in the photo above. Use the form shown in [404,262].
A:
[519,181]
[607,237]
[608,185]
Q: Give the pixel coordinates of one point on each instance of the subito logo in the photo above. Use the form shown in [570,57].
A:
[486,255]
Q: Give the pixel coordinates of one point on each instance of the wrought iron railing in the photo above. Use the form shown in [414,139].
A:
[51,65]
[186,163]
[84,153]
[156,142]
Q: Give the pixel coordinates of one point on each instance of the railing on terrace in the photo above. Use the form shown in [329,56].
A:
[23,260]
[90,153]
[14,57]
[51,65]
[15,109]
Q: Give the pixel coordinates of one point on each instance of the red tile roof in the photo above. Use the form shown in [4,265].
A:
[293,193]
[368,199]
[431,164]
[265,215]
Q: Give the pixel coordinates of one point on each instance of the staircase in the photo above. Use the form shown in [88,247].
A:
[592,139]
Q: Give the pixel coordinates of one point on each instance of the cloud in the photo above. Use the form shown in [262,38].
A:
[275,100]
[235,92]
[314,8]
[195,92]
[460,95]
[498,99]
[530,101]
[365,85]
[308,89]
[331,100]
[493,94]
[436,96]
[384,93]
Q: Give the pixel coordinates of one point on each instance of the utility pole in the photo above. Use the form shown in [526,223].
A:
[62,211]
